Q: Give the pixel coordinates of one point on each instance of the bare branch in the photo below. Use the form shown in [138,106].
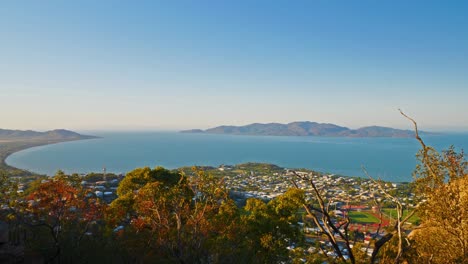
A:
[398,224]
[416,132]
[327,226]
[424,147]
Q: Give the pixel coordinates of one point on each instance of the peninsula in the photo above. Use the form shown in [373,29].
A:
[15,140]
[305,128]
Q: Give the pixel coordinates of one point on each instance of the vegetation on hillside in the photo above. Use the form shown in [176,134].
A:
[189,217]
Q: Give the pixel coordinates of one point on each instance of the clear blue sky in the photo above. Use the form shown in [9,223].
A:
[196,64]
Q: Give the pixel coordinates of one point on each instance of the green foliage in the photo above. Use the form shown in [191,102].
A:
[359,252]
[193,218]
[270,226]
[137,178]
[8,197]
[94,177]
[33,185]
[123,208]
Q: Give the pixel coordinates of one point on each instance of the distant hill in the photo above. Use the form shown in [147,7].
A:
[305,128]
[16,140]
[57,134]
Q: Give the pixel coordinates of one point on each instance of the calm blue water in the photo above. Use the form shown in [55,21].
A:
[392,159]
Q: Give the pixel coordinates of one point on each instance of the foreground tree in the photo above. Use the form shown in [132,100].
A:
[10,220]
[442,236]
[270,228]
[442,201]
[60,218]
[175,218]
[9,197]
[441,179]
[171,217]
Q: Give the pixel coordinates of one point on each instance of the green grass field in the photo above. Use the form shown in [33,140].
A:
[392,213]
[362,217]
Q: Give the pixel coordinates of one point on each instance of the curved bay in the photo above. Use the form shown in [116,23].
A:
[392,159]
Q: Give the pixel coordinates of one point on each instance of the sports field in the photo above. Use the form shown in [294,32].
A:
[392,214]
[362,217]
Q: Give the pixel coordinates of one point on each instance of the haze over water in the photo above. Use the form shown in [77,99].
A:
[392,159]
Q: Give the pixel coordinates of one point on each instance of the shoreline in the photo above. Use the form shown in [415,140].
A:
[9,147]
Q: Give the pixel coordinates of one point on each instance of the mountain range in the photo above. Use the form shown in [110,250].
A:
[305,128]
[56,134]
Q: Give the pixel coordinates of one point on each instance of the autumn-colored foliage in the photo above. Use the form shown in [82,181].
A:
[443,234]
[63,215]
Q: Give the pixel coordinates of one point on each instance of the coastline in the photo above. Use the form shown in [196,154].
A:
[11,146]
[144,150]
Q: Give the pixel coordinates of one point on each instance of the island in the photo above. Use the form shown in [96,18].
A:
[15,140]
[306,128]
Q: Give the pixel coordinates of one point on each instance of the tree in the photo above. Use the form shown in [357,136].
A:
[122,209]
[442,236]
[139,177]
[188,220]
[8,196]
[441,185]
[10,215]
[60,217]
[271,227]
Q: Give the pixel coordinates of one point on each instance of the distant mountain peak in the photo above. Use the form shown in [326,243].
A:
[305,128]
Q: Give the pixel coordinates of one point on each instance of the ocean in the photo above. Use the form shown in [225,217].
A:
[391,159]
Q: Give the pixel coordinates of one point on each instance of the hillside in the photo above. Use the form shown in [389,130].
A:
[57,134]
[305,129]
[16,140]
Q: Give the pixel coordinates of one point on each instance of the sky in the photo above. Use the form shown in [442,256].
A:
[168,65]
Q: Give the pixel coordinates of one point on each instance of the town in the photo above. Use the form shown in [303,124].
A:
[359,199]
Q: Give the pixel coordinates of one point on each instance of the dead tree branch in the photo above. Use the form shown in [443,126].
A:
[326,224]
[423,145]
[398,225]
